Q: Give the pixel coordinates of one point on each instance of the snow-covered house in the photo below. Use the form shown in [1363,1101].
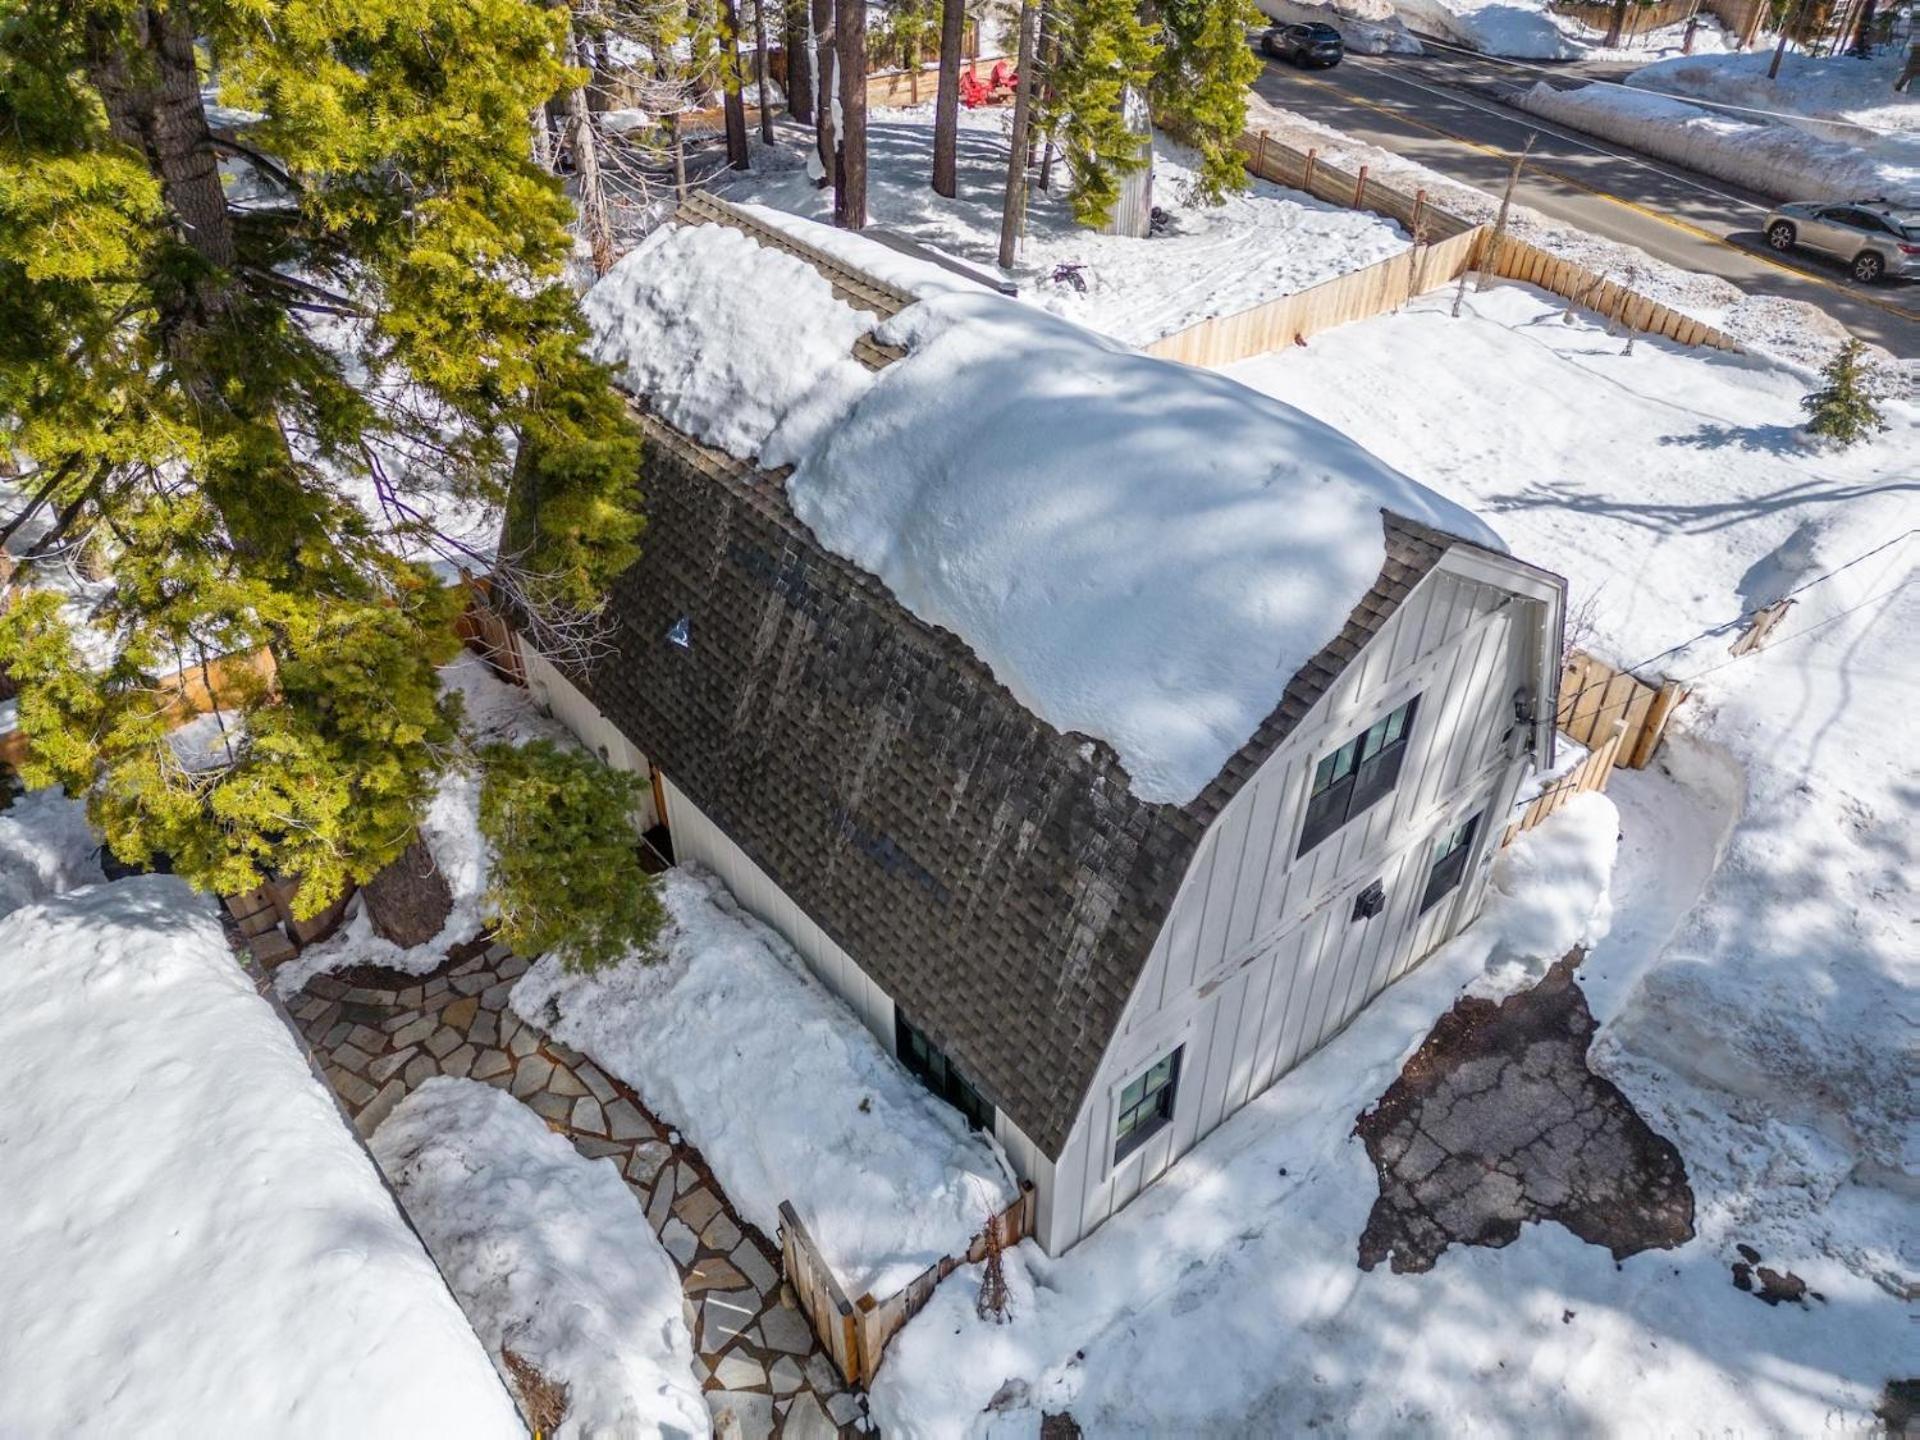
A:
[1104,733]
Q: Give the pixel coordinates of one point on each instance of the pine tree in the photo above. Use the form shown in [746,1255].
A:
[565,879]
[1103,50]
[206,382]
[1200,82]
[1844,409]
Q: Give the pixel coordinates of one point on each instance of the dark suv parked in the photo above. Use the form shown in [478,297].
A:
[1314,44]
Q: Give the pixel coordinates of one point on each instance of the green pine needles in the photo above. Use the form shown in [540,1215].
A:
[565,878]
[244,354]
[1843,410]
[1200,82]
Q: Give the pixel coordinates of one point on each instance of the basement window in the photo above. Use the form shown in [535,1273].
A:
[929,1063]
[1450,854]
[1146,1105]
[1361,772]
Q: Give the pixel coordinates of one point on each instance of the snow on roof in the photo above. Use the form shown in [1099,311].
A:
[1140,551]
[194,1242]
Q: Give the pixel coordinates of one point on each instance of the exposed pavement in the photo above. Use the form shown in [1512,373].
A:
[1444,110]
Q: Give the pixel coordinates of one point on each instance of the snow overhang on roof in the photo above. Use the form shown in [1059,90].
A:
[1141,552]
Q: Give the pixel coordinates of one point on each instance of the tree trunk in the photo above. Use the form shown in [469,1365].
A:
[823,101]
[586,169]
[799,63]
[1617,23]
[760,69]
[736,105]
[1013,211]
[409,901]
[541,139]
[154,106]
[850,174]
[946,103]
[1863,31]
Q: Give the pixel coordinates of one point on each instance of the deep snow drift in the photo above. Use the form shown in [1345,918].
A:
[1125,579]
[1841,97]
[45,847]
[550,1255]
[727,1037]
[194,1244]
[1262,243]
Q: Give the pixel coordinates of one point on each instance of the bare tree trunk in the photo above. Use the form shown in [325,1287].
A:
[408,901]
[799,62]
[823,51]
[541,138]
[760,69]
[1048,148]
[850,175]
[679,157]
[736,104]
[155,107]
[1616,23]
[591,189]
[946,103]
[1013,212]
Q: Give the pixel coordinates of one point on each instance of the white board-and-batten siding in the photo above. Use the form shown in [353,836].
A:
[1260,960]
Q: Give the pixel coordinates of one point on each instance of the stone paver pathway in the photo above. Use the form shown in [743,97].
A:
[757,1358]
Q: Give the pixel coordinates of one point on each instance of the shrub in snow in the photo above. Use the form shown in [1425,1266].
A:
[565,877]
[1843,409]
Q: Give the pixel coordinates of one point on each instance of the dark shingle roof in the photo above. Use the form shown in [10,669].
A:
[995,876]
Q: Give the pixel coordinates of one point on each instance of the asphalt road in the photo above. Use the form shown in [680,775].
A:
[1443,110]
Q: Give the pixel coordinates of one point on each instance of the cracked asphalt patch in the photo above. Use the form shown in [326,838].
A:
[1496,1121]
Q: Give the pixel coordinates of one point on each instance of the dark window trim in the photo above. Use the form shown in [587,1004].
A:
[1445,872]
[938,1073]
[1153,1111]
[1365,783]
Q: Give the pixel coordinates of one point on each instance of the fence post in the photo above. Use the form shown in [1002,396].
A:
[1313,157]
[1360,190]
[1260,157]
[1419,204]
[1669,696]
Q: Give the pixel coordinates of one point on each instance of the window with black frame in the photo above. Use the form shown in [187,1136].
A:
[930,1064]
[1450,855]
[1361,772]
[1146,1105]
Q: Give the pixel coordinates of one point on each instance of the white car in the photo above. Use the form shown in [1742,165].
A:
[1875,237]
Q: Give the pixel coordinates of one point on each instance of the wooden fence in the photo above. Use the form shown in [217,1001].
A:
[1517,260]
[485,631]
[1594,696]
[1590,774]
[856,1333]
[1445,246]
[185,694]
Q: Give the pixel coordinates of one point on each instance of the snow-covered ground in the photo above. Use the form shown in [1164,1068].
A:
[785,1092]
[46,847]
[550,1256]
[1367,27]
[1754,988]
[1786,330]
[1779,160]
[492,710]
[1839,97]
[1674,485]
[1520,28]
[1210,260]
[194,1244]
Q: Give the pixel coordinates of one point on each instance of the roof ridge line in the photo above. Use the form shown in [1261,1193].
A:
[853,284]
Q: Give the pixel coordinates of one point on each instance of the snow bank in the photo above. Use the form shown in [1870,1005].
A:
[1495,27]
[1842,97]
[1368,27]
[1159,553]
[194,1242]
[1203,261]
[783,1090]
[550,1256]
[46,846]
[1776,160]
[491,710]
[732,342]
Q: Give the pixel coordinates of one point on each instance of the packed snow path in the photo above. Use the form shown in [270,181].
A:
[756,1356]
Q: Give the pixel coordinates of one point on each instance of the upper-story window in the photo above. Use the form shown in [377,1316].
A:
[1349,780]
[1450,854]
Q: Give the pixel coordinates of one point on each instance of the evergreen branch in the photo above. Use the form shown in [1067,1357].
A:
[224,140]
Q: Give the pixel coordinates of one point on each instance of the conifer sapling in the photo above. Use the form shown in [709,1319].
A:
[1844,409]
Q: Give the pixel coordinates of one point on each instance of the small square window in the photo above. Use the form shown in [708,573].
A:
[1145,1105]
[1450,854]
